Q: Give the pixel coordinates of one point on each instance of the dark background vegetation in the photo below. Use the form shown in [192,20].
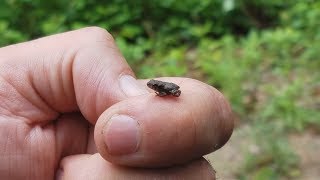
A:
[263,55]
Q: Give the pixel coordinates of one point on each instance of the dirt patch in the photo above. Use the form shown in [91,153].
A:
[307,147]
[228,160]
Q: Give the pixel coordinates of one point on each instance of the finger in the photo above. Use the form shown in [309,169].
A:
[152,131]
[95,167]
[91,146]
[28,152]
[44,79]
[81,69]
[71,135]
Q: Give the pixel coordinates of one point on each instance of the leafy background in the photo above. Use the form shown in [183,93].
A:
[263,55]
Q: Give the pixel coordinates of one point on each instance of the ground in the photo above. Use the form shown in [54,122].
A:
[228,160]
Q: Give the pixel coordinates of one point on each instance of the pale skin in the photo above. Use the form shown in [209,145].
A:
[71,108]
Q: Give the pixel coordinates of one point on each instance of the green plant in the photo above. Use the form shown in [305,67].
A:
[274,157]
[263,55]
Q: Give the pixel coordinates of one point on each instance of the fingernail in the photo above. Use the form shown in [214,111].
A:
[130,86]
[122,135]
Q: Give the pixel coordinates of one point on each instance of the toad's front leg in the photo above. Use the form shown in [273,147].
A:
[161,94]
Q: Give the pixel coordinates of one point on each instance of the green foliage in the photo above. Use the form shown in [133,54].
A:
[177,22]
[304,16]
[8,35]
[283,108]
[165,64]
[274,156]
[215,60]
[263,55]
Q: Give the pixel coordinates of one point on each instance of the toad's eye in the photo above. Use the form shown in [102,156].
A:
[150,85]
[176,93]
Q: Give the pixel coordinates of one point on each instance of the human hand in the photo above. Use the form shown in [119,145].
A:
[69,102]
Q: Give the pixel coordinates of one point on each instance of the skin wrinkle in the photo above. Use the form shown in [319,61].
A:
[59,74]
[22,96]
[72,59]
[108,43]
[44,74]
[61,89]
[29,172]
[111,64]
[4,106]
[65,67]
[96,74]
[97,82]
[44,101]
[19,138]
[69,81]
[72,66]
[53,76]
[51,82]
[100,76]
[8,113]
[5,97]
[86,79]
[34,90]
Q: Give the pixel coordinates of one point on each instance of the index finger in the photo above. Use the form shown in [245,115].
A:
[165,130]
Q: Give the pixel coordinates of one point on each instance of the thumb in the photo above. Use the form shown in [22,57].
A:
[152,131]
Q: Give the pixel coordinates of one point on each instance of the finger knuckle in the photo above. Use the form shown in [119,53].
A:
[206,170]
[98,34]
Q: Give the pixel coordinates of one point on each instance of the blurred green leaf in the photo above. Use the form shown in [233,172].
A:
[262,55]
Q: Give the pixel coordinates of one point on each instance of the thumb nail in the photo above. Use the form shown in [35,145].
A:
[130,86]
[121,135]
